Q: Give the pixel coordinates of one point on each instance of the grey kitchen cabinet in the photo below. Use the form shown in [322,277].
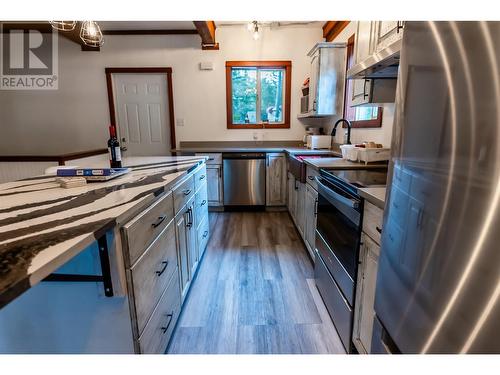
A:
[214,179]
[300,211]
[214,185]
[371,37]
[385,33]
[310,213]
[292,195]
[183,249]
[365,294]
[367,278]
[363,47]
[276,179]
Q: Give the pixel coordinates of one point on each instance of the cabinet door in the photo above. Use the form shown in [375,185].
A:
[363,43]
[182,250]
[214,185]
[310,216]
[191,240]
[365,294]
[386,33]
[292,195]
[300,209]
[275,180]
[313,82]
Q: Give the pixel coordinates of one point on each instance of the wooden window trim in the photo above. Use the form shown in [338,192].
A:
[348,110]
[287,65]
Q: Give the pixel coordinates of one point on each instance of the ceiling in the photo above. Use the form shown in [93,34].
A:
[146,25]
[274,23]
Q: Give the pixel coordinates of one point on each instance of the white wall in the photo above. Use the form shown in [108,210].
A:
[76,116]
[381,135]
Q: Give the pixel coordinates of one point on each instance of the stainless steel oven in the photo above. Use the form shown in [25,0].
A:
[338,233]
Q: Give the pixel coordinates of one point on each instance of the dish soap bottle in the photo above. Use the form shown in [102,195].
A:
[115,156]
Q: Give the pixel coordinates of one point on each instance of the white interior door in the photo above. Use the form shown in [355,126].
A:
[142,113]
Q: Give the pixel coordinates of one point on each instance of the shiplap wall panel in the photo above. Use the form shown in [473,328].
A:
[12,171]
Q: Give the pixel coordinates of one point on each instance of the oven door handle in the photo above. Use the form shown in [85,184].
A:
[333,195]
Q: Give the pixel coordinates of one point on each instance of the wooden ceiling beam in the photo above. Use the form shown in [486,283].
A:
[206,29]
[331,29]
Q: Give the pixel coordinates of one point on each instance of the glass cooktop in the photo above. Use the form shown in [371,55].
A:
[358,178]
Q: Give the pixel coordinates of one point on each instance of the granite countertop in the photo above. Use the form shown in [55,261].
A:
[42,225]
[375,195]
[290,147]
[339,163]
[290,150]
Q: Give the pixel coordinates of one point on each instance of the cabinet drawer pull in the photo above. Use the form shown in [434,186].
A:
[210,159]
[202,177]
[187,192]
[169,316]
[205,234]
[159,221]
[378,230]
[165,264]
[204,202]
[310,178]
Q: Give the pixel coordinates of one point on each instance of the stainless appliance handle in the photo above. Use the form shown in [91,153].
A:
[348,202]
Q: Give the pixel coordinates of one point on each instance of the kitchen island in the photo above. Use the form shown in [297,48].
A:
[98,236]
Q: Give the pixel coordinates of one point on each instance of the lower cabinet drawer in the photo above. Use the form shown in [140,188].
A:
[156,335]
[203,233]
[183,192]
[372,221]
[145,227]
[150,275]
[200,178]
[201,202]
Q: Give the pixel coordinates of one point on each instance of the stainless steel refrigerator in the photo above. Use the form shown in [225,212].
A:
[438,282]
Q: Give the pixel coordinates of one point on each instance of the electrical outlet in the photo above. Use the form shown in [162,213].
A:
[179,122]
[255,136]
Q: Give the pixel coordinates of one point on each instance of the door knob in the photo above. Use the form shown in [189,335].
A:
[123,148]
[124,139]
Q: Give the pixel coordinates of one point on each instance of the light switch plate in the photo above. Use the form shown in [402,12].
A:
[179,122]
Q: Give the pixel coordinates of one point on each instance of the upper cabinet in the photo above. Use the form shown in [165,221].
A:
[377,49]
[326,81]
[386,33]
[363,43]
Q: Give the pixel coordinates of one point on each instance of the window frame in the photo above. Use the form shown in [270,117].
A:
[349,111]
[286,65]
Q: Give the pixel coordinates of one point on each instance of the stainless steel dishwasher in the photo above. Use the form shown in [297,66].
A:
[244,179]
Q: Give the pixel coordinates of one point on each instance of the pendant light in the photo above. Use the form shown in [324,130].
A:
[255,34]
[91,34]
[63,25]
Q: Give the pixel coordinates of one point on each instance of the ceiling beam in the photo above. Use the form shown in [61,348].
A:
[74,36]
[331,29]
[206,29]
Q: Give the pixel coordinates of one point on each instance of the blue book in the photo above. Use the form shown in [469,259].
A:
[92,174]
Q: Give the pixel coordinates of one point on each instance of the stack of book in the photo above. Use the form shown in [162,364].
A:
[92,174]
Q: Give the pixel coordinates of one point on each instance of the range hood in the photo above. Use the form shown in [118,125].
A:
[382,64]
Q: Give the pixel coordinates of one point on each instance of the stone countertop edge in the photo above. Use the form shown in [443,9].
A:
[287,149]
[375,195]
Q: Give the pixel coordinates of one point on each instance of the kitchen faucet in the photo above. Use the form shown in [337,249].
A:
[334,130]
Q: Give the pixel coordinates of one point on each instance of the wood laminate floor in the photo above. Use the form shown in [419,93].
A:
[254,292]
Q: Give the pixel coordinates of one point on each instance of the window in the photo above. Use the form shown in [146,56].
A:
[258,94]
[360,117]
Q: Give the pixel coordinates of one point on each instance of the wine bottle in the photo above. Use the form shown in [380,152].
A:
[115,157]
